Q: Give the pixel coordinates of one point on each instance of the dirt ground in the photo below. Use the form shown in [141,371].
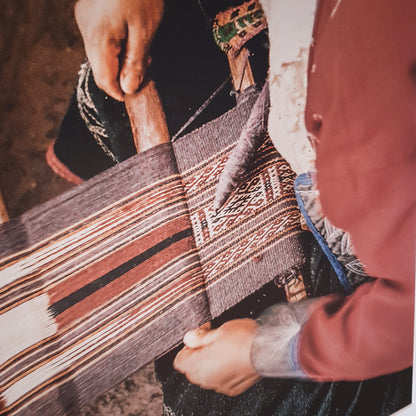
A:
[41,51]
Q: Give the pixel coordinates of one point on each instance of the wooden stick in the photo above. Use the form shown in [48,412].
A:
[147,118]
[241,70]
[4,217]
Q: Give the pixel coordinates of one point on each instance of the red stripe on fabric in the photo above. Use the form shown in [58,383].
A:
[124,282]
[168,297]
[191,275]
[145,202]
[116,258]
[71,371]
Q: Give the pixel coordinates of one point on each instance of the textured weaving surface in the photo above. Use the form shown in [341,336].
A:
[112,262]
[253,238]
[110,275]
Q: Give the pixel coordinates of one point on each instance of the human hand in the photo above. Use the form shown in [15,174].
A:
[219,359]
[117,37]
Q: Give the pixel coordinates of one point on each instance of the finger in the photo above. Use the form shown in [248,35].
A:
[188,362]
[200,337]
[191,337]
[239,386]
[182,359]
[105,66]
[136,59]
[206,326]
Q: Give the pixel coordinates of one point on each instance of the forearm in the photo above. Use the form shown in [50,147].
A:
[336,338]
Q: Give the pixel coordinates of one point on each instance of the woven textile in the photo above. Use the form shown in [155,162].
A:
[233,27]
[110,275]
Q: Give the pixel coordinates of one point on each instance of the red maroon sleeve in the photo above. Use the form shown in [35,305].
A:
[361,108]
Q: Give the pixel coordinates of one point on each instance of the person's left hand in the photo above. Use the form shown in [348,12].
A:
[219,359]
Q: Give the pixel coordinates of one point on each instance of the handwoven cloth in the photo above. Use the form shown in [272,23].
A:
[233,27]
[257,231]
[111,274]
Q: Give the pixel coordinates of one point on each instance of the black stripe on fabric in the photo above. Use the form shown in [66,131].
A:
[82,293]
[17,242]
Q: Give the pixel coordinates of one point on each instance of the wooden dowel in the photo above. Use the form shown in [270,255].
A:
[4,217]
[147,117]
[241,70]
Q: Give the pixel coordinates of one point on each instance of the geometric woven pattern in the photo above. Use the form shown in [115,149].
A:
[233,27]
[110,275]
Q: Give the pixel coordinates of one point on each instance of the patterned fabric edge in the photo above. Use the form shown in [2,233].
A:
[89,112]
[237,25]
[59,168]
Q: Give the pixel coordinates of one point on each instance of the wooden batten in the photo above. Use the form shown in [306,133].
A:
[4,217]
[147,117]
[240,68]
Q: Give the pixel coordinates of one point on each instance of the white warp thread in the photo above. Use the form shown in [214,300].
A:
[24,326]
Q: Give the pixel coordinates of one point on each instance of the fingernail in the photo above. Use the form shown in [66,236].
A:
[191,339]
[130,82]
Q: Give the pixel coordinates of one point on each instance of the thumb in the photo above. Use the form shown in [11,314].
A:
[200,337]
[136,60]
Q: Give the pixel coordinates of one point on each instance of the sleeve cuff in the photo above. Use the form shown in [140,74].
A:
[274,352]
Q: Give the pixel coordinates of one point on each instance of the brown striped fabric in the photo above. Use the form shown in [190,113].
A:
[110,275]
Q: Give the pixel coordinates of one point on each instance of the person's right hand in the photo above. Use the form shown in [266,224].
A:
[219,359]
[117,36]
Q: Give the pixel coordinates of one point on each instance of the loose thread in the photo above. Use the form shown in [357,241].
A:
[202,108]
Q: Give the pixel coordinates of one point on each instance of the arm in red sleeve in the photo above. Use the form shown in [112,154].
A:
[363,88]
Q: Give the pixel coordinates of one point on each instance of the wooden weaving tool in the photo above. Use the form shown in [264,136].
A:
[147,118]
[3,211]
